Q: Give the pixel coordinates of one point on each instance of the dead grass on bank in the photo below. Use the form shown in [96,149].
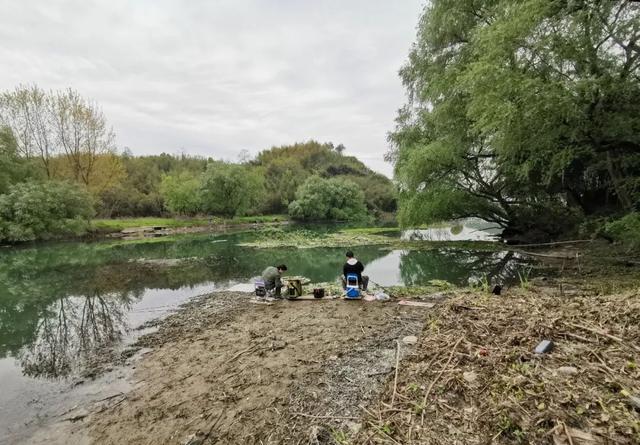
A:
[475,380]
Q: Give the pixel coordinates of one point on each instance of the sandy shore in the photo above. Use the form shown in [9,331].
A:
[226,370]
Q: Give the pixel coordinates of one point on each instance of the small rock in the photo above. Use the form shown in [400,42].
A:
[470,376]
[631,398]
[410,340]
[567,370]
[333,357]
[196,438]
[277,345]
[544,347]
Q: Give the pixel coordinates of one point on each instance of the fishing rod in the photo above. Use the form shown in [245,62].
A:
[387,291]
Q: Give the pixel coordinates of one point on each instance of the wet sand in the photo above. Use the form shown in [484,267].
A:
[225,370]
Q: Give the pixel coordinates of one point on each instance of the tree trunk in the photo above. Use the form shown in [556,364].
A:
[623,198]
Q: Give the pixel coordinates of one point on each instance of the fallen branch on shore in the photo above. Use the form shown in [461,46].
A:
[313,416]
[604,334]
[395,379]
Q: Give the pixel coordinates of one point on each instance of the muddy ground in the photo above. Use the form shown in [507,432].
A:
[226,370]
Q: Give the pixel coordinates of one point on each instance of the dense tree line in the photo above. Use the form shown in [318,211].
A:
[288,167]
[59,167]
[283,180]
[524,113]
[139,192]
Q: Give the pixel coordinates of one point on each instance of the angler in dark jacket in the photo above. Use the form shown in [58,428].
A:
[354,266]
[271,276]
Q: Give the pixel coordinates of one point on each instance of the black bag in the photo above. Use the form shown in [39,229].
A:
[318,292]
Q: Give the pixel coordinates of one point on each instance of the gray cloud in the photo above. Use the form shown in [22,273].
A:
[215,77]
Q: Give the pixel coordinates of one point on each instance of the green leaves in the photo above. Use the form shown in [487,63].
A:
[331,199]
[181,192]
[230,189]
[38,210]
[287,167]
[518,106]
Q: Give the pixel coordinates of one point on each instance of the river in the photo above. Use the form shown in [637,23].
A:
[63,304]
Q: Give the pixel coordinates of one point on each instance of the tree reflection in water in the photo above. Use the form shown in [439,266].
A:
[57,318]
[459,266]
[63,304]
[72,331]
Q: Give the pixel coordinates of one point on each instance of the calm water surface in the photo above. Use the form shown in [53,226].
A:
[62,303]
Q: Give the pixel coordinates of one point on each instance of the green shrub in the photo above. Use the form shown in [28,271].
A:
[379,192]
[181,193]
[39,210]
[625,230]
[332,199]
[13,169]
[230,190]
[125,201]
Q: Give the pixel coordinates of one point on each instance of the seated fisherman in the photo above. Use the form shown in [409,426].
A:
[271,276]
[353,266]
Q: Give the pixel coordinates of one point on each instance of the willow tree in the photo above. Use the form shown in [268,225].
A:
[231,190]
[525,113]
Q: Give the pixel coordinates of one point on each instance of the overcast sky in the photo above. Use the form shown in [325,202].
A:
[219,76]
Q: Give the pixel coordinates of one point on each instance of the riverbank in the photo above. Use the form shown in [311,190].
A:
[225,370]
[178,225]
[325,369]
[475,378]
[150,227]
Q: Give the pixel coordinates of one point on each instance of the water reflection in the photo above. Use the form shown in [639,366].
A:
[461,266]
[72,331]
[471,229]
[61,304]
[458,266]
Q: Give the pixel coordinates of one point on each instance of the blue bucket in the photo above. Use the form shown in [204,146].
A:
[353,288]
[353,292]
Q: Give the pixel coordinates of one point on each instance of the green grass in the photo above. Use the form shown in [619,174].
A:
[118,224]
[125,223]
